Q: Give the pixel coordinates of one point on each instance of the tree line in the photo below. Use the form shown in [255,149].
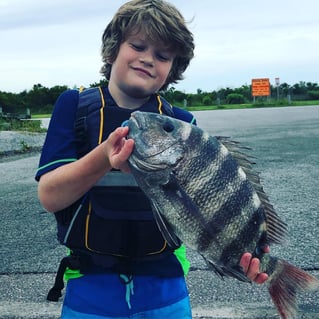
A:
[301,91]
[40,99]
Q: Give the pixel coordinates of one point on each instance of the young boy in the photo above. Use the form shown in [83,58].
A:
[146,47]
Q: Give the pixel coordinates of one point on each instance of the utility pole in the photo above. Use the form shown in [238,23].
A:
[277,85]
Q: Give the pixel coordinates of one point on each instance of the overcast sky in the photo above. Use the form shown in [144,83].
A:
[58,42]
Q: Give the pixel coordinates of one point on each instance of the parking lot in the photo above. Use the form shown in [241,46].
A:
[285,142]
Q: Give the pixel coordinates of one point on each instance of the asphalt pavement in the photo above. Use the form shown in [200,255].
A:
[285,142]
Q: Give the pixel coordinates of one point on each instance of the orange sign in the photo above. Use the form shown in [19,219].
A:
[260,87]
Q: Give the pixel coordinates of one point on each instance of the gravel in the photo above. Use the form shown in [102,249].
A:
[14,143]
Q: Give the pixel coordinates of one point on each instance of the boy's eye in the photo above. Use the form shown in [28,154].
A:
[137,47]
[163,57]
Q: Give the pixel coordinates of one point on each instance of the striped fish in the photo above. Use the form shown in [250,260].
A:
[205,194]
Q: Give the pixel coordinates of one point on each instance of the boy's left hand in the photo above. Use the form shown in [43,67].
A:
[118,149]
[251,268]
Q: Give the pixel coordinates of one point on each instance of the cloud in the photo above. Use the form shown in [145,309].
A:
[28,14]
[58,42]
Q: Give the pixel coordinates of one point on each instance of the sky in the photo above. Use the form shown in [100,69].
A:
[58,42]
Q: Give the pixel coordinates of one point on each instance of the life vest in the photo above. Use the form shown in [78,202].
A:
[112,227]
[114,218]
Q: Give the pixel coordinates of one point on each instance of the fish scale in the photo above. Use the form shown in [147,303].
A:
[226,226]
[205,194]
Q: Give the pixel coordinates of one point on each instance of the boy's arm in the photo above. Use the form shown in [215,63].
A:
[62,186]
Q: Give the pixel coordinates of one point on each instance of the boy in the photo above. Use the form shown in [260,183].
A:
[146,47]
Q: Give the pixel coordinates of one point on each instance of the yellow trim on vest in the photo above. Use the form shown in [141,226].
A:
[160,104]
[159,251]
[87,227]
[87,222]
[101,116]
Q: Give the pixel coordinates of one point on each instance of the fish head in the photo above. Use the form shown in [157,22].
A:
[158,143]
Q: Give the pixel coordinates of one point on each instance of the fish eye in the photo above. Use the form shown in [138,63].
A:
[168,127]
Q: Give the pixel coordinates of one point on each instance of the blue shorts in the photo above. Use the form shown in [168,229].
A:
[113,296]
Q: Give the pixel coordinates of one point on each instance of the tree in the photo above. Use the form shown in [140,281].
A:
[102,82]
[312,86]
[299,88]
[284,89]
[41,99]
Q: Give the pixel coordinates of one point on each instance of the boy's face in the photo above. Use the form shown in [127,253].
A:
[141,67]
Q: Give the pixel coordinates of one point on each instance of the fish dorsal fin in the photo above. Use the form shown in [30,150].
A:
[276,228]
[236,149]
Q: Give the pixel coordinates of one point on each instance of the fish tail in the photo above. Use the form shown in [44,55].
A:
[286,281]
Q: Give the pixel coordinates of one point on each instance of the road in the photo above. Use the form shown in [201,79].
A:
[285,142]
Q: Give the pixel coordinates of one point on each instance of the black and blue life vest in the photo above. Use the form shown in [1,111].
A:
[111,228]
[117,219]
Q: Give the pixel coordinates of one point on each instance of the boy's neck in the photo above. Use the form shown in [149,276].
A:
[124,100]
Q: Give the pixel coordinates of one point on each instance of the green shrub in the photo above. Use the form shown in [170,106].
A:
[207,100]
[314,95]
[235,98]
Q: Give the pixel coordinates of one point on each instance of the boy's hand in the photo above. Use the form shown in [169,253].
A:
[251,267]
[119,149]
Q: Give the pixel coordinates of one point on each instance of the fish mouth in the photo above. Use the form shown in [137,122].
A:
[144,166]
[134,160]
[134,122]
[137,121]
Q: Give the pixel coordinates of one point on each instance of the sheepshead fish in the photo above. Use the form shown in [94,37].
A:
[205,194]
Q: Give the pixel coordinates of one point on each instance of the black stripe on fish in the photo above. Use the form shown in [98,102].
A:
[231,209]
[226,173]
[249,233]
[190,172]
[228,169]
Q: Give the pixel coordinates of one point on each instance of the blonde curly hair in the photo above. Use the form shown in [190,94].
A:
[160,21]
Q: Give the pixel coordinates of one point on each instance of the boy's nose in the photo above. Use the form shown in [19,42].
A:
[147,59]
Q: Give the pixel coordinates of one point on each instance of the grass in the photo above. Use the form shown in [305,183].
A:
[40,116]
[21,125]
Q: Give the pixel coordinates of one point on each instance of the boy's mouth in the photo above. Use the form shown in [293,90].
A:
[143,72]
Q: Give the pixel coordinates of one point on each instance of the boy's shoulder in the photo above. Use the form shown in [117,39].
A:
[66,104]
[70,95]
[178,113]
[184,115]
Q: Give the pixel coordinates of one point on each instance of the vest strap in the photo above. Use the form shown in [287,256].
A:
[117,178]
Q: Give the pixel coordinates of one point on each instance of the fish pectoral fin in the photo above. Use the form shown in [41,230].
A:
[217,270]
[224,271]
[237,273]
[165,228]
